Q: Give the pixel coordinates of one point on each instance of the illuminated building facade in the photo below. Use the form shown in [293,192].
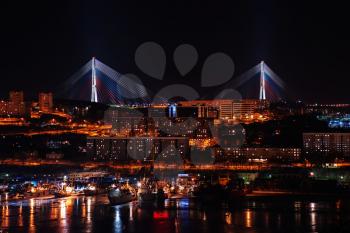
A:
[125,149]
[16,97]
[3,108]
[15,106]
[327,143]
[262,154]
[327,109]
[156,121]
[16,103]
[224,107]
[247,108]
[45,102]
[243,110]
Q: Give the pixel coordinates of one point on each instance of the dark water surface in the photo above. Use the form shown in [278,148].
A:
[93,214]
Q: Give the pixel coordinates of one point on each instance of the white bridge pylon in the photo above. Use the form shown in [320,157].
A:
[264,71]
[93,82]
[117,87]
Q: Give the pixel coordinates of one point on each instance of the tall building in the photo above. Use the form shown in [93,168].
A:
[16,97]
[327,143]
[3,108]
[16,104]
[45,102]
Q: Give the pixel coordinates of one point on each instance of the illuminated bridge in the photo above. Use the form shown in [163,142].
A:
[97,82]
[270,85]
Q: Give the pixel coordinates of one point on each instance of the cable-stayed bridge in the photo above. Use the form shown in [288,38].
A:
[97,82]
[270,84]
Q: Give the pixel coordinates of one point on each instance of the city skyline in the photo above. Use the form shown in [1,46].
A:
[174,116]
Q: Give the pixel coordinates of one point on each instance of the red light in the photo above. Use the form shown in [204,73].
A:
[160,215]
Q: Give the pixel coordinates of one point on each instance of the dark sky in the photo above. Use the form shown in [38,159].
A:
[42,44]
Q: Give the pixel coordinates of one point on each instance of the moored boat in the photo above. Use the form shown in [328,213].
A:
[121,194]
[91,190]
[145,192]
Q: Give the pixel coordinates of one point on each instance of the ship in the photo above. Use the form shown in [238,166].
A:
[145,192]
[91,190]
[62,193]
[148,192]
[66,192]
[121,194]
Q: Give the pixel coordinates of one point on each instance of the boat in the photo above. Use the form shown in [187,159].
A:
[121,194]
[149,192]
[220,188]
[145,193]
[91,190]
[67,191]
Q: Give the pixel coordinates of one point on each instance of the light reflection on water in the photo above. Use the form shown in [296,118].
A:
[93,214]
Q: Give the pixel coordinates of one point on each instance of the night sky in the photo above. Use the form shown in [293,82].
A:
[42,44]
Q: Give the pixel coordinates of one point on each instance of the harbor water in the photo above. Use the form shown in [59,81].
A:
[94,214]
